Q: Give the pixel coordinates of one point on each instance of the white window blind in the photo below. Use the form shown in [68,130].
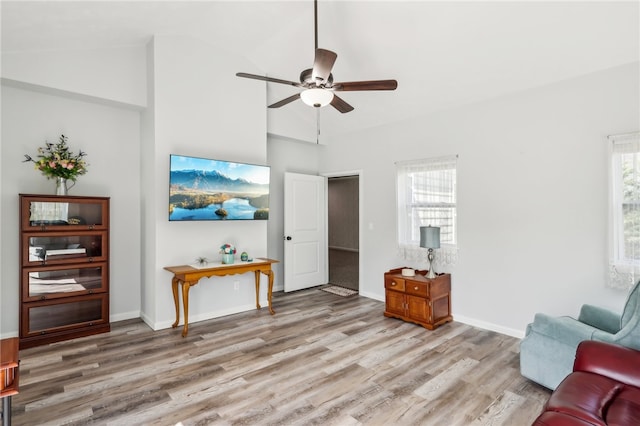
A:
[624,217]
[426,195]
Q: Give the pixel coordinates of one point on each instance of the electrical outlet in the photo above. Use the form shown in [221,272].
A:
[236,285]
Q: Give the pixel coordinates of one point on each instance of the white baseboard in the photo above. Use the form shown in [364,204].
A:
[373,296]
[489,326]
[147,321]
[161,325]
[9,335]
[465,320]
[124,316]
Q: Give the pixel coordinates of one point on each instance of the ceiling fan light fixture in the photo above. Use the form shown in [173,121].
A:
[316,97]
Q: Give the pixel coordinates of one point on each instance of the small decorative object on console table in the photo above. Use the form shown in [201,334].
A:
[430,238]
[227,251]
[202,261]
[418,299]
[56,161]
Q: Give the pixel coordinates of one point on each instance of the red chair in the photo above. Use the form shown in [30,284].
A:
[603,389]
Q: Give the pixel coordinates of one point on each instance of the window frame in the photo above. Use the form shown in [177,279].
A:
[624,268]
[413,211]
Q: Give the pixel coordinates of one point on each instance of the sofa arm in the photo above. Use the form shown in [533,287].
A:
[613,361]
[564,329]
[600,318]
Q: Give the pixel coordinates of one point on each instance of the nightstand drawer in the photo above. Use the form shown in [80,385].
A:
[394,283]
[417,288]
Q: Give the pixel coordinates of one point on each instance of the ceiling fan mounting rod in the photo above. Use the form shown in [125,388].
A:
[315,23]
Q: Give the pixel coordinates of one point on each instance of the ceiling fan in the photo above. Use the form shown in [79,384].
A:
[317,82]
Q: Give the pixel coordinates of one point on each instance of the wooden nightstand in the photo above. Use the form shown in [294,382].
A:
[423,301]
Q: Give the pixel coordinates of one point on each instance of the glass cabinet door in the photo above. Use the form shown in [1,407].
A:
[41,318]
[52,248]
[59,213]
[59,281]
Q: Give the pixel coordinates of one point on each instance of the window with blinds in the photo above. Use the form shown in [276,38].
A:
[624,221]
[426,191]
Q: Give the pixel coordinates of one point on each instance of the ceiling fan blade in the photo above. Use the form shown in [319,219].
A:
[351,86]
[285,101]
[269,79]
[322,65]
[339,104]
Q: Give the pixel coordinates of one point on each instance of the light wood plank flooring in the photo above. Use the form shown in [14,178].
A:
[321,360]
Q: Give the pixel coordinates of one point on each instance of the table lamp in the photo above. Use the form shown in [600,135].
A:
[430,239]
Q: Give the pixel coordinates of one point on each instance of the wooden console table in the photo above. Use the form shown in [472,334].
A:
[9,375]
[189,276]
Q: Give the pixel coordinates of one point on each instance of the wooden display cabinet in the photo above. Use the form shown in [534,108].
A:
[64,261]
[417,299]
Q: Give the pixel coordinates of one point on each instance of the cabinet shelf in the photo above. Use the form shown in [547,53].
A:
[64,258]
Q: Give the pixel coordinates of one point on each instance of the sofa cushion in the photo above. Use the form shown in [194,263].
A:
[625,408]
[585,396]
[602,390]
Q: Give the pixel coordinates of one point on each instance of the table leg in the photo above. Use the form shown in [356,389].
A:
[174,287]
[269,273]
[6,411]
[257,289]
[185,306]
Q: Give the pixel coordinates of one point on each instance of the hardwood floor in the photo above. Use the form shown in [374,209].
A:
[321,359]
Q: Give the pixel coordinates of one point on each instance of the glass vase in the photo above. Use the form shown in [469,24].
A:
[227,259]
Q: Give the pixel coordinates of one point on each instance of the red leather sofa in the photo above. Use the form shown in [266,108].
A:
[603,389]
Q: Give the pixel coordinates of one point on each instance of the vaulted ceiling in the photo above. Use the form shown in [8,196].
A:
[443,54]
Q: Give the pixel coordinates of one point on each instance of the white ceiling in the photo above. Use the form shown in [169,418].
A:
[443,54]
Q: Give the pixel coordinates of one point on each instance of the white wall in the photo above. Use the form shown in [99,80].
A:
[110,136]
[117,75]
[197,106]
[200,108]
[285,155]
[532,196]
[532,183]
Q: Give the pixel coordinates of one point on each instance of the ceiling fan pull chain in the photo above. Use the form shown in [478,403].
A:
[317,126]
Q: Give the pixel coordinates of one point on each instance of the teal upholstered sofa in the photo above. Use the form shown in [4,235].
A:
[549,347]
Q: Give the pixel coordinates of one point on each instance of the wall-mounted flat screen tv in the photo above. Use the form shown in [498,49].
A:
[206,189]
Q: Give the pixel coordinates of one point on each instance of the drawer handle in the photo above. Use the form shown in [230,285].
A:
[415,288]
[393,283]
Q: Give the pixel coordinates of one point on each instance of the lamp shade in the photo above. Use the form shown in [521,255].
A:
[316,97]
[430,237]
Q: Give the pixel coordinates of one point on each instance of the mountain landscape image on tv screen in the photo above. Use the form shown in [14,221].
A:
[205,189]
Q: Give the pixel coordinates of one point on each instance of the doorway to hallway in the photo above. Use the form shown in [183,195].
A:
[343,200]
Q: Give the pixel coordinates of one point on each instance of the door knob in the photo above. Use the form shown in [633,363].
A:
[288,238]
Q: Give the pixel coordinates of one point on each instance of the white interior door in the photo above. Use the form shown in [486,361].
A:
[305,236]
